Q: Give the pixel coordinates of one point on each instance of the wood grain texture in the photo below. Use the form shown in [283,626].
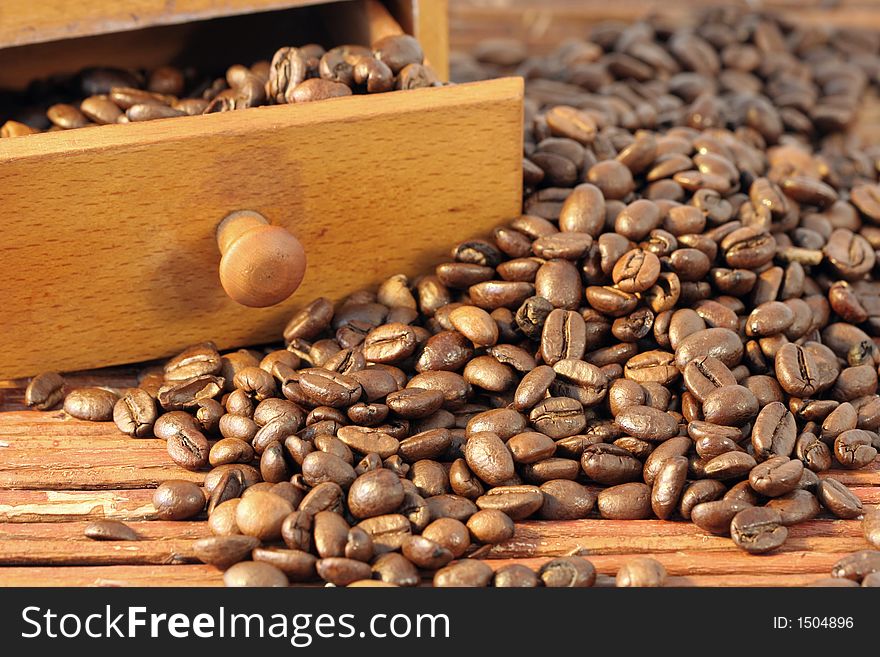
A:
[398,189]
[25,21]
[201,575]
[58,473]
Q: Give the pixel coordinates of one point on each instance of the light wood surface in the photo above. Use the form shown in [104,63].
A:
[57,473]
[109,236]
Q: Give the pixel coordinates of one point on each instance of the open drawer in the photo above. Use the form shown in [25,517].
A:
[108,252]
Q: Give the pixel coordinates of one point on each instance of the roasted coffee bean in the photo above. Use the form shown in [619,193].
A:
[610,465]
[320,467]
[490,526]
[178,500]
[704,375]
[221,519]
[774,432]
[189,449]
[387,531]
[853,448]
[871,527]
[796,507]
[467,573]
[224,551]
[641,572]
[715,516]
[135,413]
[262,514]
[515,576]
[558,417]
[196,360]
[630,501]
[758,530]
[187,393]
[730,465]
[330,533]
[858,565]
[838,499]
[813,452]
[698,492]
[568,572]
[518,501]
[730,406]
[92,404]
[776,476]
[669,486]
[375,493]
[299,566]
[255,574]
[110,530]
[45,391]
[647,423]
[563,336]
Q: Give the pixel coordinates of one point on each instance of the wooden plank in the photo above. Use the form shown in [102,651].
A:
[172,177]
[24,22]
[29,506]
[153,576]
[201,575]
[147,530]
[692,562]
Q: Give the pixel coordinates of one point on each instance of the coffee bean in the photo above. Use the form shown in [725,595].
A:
[668,486]
[178,500]
[871,527]
[838,499]
[776,476]
[224,551]
[774,431]
[395,569]
[254,573]
[558,417]
[518,502]
[854,449]
[630,501]
[110,530]
[135,413]
[608,464]
[858,565]
[758,530]
[92,404]
[375,493]
[698,492]
[490,526]
[468,573]
[261,515]
[387,531]
[641,572]
[568,572]
[299,566]
[189,449]
[515,576]
[796,507]
[647,423]
[45,391]
[715,517]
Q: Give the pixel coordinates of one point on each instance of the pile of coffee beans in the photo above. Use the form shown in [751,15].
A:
[99,96]
[682,325]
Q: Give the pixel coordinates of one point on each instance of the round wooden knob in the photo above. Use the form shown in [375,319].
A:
[262,264]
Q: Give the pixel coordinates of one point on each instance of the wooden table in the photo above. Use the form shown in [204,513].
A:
[57,473]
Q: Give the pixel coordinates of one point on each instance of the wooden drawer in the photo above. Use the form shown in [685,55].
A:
[109,252]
